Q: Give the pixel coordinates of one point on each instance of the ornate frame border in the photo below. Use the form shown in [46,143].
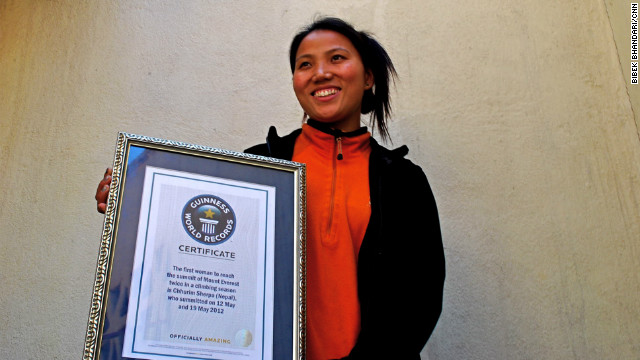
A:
[99,299]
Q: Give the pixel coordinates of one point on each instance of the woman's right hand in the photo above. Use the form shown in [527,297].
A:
[102,193]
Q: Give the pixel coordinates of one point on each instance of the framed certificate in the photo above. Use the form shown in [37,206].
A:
[202,256]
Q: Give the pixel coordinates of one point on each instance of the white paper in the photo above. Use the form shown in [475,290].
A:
[202,283]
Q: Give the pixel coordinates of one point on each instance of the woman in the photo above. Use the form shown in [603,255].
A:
[375,262]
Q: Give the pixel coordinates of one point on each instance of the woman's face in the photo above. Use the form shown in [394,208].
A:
[329,79]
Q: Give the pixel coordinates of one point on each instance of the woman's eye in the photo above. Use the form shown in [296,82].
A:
[304,64]
[337,57]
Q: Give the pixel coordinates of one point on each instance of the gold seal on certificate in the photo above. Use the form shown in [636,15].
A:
[244,338]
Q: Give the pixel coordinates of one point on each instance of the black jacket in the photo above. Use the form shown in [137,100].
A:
[401,267]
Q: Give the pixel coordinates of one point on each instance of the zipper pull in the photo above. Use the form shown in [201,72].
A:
[339,141]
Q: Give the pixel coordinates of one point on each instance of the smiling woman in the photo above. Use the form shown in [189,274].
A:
[361,200]
[364,230]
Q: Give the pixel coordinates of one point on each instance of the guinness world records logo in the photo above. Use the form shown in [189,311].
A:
[208,219]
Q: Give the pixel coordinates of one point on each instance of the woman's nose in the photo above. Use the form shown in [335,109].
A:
[322,73]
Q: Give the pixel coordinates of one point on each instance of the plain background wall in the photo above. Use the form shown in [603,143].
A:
[520,114]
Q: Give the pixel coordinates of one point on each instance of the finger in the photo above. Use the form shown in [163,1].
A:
[102,194]
[104,182]
[106,179]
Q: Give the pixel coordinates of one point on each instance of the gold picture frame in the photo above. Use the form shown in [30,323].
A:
[129,207]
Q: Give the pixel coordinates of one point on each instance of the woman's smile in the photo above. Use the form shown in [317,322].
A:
[325,92]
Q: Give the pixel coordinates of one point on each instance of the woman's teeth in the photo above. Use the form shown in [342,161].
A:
[325,92]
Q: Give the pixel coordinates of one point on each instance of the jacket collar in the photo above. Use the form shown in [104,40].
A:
[335,132]
[282,147]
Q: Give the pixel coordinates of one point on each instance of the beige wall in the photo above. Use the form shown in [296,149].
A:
[519,112]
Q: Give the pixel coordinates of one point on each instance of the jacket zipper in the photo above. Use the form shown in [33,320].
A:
[337,152]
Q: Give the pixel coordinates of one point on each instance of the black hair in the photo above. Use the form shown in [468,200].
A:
[374,58]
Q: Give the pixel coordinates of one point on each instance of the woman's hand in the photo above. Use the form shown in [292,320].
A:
[102,193]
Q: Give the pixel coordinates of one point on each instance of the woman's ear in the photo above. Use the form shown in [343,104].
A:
[368,79]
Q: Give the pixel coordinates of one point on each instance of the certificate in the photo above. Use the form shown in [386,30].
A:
[202,256]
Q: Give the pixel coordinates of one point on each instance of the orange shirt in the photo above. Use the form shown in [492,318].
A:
[338,212]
